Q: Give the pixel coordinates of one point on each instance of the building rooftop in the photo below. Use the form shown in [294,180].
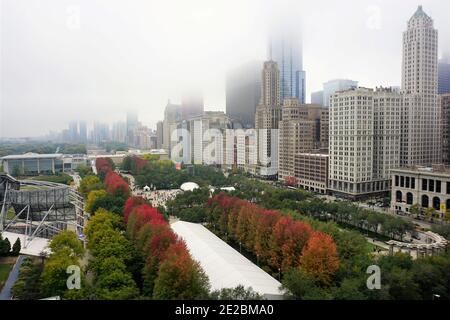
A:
[31,155]
[420,13]
[435,169]
[225,267]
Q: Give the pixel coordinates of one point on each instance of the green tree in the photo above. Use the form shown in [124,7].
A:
[93,196]
[5,247]
[54,276]
[237,293]
[88,184]
[67,240]
[16,247]
[415,210]
[28,284]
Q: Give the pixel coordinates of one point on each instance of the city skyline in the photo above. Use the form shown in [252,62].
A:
[370,32]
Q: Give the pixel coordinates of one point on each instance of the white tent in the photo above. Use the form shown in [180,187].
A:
[189,186]
[225,267]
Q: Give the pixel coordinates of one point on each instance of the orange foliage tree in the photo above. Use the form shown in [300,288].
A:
[319,257]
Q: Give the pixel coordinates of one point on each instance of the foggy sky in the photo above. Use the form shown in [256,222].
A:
[94,59]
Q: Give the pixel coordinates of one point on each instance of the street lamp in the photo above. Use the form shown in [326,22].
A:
[279,274]
[257,260]
[436,296]
[240,246]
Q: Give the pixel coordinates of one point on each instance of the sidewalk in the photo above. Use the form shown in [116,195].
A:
[6,293]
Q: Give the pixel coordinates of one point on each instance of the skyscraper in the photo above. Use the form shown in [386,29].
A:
[132,124]
[82,131]
[73,131]
[420,142]
[317,98]
[445,111]
[285,48]
[172,115]
[191,104]
[243,92]
[364,140]
[444,76]
[267,117]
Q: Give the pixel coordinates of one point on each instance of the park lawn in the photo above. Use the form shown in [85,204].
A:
[5,269]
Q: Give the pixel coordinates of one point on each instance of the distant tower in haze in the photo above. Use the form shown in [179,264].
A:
[444,75]
[82,131]
[132,124]
[73,131]
[420,141]
[243,92]
[285,48]
[192,104]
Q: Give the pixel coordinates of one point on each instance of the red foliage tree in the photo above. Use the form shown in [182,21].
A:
[319,257]
[103,166]
[130,204]
[116,185]
[140,216]
[291,181]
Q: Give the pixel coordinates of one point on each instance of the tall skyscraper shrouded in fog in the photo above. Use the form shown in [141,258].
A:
[420,144]
[73,131]
[192,104]
[243,92]
[267,117]
[285,48]
[83,131]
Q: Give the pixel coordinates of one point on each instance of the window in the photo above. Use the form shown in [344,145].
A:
[409,198]
[438,186]
[396,181]
[424,184]
[437,203]
[431,185]
[413,183]
[425,201]
[398,196]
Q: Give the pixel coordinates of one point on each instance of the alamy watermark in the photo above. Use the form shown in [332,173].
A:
[74,280]
[226,147]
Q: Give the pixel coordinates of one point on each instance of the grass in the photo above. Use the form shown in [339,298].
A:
[373,247]
[5,269]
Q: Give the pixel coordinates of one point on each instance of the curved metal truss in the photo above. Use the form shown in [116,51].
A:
[39,208]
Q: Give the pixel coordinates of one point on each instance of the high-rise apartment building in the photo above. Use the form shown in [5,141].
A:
[444,101]
[364,141]
[243,93]
[267,116]
[285,48]
[420,141]
[444,76]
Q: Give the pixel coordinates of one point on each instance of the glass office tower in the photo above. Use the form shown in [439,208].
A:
[285,48]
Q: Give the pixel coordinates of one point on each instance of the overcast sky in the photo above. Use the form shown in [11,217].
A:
[94,59]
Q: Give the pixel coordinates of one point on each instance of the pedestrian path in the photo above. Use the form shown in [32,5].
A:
[6,293]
